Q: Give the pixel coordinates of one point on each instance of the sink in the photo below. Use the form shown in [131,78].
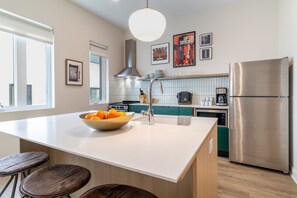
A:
[173,120]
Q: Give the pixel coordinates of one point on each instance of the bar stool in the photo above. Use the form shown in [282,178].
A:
[20,163]
[55,181]
[117,191]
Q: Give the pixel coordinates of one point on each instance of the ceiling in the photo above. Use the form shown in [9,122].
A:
[117,12]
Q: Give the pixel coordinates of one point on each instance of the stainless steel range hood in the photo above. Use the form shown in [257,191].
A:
[130,61]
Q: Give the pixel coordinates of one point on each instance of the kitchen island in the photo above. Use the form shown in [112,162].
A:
[166,159]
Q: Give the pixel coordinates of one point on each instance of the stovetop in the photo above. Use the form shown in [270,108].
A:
[121,106]
[125,102]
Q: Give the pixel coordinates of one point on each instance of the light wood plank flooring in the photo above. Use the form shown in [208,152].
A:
[239,181]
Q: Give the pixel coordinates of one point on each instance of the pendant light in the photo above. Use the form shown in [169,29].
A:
[147,24]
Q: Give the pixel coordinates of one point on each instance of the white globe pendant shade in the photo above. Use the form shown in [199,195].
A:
[147,24]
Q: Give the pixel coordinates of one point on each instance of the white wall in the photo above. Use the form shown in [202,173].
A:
[288,47]
[247,30]
[74,27]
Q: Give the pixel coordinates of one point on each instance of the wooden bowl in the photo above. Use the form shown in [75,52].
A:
[107,124]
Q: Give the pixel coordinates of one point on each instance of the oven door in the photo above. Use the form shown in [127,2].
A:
[221,114]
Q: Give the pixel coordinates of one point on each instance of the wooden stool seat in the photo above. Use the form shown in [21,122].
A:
[20,163]
[55,181]
[117,191]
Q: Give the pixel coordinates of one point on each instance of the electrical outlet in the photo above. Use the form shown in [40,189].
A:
[210,145]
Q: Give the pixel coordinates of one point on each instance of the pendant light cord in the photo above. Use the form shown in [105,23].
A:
[146,3]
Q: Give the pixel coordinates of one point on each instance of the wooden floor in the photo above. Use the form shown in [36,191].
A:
[239,181]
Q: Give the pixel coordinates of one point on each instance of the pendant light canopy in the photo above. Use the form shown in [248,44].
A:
[147,24]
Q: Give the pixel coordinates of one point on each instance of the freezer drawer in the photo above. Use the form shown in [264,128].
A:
[260,78]
[259,132]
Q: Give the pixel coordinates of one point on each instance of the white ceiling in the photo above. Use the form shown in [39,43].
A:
[118,11]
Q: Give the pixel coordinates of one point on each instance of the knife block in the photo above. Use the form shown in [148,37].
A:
[143,98]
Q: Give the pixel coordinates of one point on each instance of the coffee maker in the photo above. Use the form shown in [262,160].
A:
[221,96]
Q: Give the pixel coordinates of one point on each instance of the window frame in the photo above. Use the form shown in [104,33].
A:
[22,28]
[20,77]
[102,85]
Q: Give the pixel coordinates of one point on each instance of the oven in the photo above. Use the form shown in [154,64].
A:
[121,106]
[221,114]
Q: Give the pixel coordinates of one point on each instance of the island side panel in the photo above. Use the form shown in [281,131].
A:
[205,168]
[103,173]
[26,146]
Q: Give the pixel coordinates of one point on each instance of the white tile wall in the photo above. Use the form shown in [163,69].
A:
[116,90]
[200,87]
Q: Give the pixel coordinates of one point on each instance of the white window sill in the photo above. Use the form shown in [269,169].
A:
[27,108]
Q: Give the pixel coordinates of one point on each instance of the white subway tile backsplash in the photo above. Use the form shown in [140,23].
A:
[200,87]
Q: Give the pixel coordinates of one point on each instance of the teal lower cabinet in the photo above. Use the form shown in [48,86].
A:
[164,110]
[223,141]
[137,108]
[185,111]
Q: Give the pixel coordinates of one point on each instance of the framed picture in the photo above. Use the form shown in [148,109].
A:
[74,72]
[205,39]
[184,51]
[160,54]
[205,53]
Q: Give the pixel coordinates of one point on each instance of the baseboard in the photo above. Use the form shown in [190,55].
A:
[294,174]
[223,154]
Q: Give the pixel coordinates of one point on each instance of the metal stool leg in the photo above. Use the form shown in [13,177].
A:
[14,185]
[7,184]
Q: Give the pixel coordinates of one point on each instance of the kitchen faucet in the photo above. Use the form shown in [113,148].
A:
[150,112]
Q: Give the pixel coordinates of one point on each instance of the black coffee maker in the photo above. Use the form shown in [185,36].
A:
[221,96]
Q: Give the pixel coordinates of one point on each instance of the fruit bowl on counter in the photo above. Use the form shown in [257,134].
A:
[106,121]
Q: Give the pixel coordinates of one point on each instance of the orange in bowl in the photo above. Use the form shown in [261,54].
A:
[106,121]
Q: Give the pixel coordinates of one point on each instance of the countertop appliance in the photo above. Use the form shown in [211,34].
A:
[221,96]
[259,113]
[184,97]
[122,106]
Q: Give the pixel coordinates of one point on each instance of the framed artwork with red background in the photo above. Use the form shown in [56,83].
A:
[160,54]
[184,52]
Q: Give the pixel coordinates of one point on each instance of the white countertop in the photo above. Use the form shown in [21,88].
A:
[191,105]
[161,150]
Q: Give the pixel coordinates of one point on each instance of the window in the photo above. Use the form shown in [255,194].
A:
[98,71]
[26,63]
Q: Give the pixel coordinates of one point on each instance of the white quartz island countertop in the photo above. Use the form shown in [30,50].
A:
[164,151]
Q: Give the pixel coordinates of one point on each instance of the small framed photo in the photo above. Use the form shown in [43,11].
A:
[205,39]
[74,72]
[160,54]
[205,53]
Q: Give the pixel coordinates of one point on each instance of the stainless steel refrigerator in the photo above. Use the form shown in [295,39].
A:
[259,113]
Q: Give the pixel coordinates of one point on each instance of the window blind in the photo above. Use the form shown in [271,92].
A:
[98,49]
[15,24]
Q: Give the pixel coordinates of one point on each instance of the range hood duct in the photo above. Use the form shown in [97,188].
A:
[130,60]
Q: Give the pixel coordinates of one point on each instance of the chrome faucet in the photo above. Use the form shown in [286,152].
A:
[150,112]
